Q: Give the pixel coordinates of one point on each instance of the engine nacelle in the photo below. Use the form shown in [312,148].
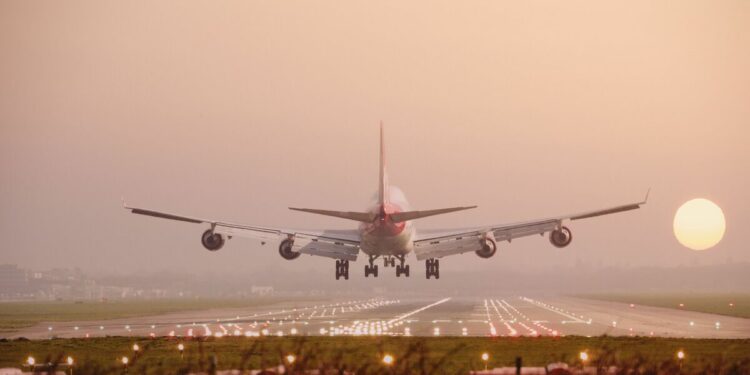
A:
[489,247]
[285,250]
[212,241]
[561,237]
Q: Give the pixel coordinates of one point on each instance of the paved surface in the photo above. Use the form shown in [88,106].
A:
[438,316]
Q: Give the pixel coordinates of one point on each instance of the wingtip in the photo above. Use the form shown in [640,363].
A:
[645,200]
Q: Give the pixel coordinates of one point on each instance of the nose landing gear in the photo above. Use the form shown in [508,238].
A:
[433,268]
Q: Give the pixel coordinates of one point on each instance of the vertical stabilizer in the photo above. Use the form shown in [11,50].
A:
[383,188]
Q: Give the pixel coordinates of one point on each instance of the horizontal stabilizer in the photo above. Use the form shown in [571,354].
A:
[411,215]
[366,217]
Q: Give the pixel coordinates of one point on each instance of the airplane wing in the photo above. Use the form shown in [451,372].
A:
[438,244]
[336,244]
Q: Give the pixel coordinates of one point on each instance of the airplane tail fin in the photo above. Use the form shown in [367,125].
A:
[383,186]
[411,215]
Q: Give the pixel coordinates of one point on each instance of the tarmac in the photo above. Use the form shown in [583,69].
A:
[502,316]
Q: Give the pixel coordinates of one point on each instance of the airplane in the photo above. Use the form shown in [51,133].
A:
[387,231]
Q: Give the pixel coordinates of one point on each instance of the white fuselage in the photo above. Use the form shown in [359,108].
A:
[383,236]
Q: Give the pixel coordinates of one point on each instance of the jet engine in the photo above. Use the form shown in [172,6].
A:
[285,250]
[489,247]
[561,237]
[212,241]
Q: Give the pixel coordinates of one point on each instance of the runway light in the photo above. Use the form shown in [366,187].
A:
[388,359]
[680,355]
[583,356]
[632,305]
[290,358]
[30,361]
[692,323]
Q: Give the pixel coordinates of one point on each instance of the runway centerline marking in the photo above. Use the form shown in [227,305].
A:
[404,316]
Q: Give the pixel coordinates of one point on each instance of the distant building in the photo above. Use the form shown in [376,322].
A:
[14,282]
[261,290]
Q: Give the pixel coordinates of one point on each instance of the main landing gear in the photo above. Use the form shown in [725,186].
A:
[342,266]
[372,268]
[342,269]
[401,268]
[433,268]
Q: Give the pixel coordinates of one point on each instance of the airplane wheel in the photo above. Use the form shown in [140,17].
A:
[406,270]
[375,270]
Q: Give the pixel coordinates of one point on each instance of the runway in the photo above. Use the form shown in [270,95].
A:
[498,316]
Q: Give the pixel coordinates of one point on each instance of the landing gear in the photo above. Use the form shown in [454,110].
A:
[389,262]
[372,268]
[342,269]
[402,268]
[433,268]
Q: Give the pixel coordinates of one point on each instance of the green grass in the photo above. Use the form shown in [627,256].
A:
[363,354]
[702,302]
[16,315]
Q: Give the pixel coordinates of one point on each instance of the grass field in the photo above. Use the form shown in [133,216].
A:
[724,304]
[15,315]
[363,354]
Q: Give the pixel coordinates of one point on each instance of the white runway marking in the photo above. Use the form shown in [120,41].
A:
[458,316]
[417,311]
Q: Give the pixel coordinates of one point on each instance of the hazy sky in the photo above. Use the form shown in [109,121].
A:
[236,110]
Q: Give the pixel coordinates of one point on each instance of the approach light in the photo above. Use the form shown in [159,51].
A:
[680,355]
[30,361]
[583,356]
[136,348]
[125,360]
[290,358]
[388,359]
[69,360]
[485,356]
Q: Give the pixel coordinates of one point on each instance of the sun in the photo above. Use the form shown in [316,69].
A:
[699,224]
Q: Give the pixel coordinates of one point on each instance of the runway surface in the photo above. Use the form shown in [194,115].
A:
[504,316]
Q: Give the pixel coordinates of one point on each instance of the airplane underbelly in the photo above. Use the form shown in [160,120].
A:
[400,244]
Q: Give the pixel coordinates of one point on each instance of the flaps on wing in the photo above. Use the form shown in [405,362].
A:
[326,247]
[411,215]
[365,217]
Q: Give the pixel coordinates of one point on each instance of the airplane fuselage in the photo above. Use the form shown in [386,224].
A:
[384,236]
